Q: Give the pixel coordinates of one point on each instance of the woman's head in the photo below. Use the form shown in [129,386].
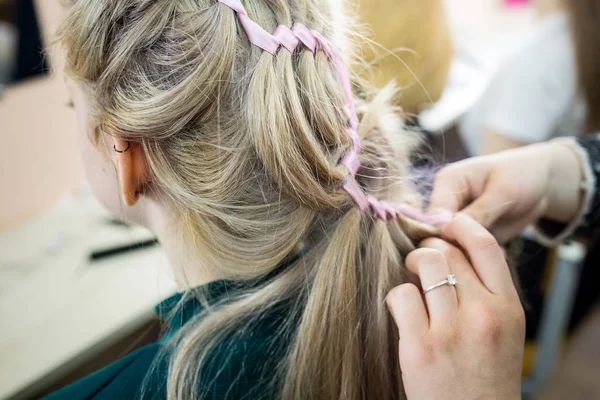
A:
[241,149]
[237,142]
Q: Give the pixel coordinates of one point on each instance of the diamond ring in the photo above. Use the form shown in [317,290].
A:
[449,281]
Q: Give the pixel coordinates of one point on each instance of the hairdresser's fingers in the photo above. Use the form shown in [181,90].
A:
[507,228]
[484,252]
[469,187]
[432,268]
[407,308]
[469,286]
[458,184]
[488,208]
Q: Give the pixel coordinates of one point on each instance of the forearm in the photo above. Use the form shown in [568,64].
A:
[566,193]
[573,195]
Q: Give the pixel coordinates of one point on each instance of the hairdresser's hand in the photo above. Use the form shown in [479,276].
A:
[507,191]
[467,342]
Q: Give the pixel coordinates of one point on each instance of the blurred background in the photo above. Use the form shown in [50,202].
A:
[77,288]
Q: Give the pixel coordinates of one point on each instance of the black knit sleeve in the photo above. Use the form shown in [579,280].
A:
[591,145]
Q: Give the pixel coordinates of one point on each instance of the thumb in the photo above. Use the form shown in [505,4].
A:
[487,209]
[458,184]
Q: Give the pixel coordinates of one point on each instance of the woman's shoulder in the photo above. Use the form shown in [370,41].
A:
[243,365]
[124,379]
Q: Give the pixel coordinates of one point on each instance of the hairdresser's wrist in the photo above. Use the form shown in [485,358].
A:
[565,192]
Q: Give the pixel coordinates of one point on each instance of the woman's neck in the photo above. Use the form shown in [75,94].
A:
[188,268]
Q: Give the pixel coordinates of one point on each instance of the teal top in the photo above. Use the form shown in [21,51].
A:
[235,370]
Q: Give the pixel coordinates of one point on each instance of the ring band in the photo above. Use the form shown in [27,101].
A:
[449,281]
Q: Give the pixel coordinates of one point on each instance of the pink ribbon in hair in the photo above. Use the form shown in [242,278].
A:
[311,39]
[256,35]
[305,36]
[286,37]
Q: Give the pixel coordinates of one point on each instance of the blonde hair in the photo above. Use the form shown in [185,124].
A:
[245,146]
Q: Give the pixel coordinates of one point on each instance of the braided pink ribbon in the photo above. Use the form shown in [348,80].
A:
[313,40]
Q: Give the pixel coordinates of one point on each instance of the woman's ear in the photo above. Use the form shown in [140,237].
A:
[132,168]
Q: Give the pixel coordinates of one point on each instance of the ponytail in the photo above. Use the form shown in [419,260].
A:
[346,346]
[325,362]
